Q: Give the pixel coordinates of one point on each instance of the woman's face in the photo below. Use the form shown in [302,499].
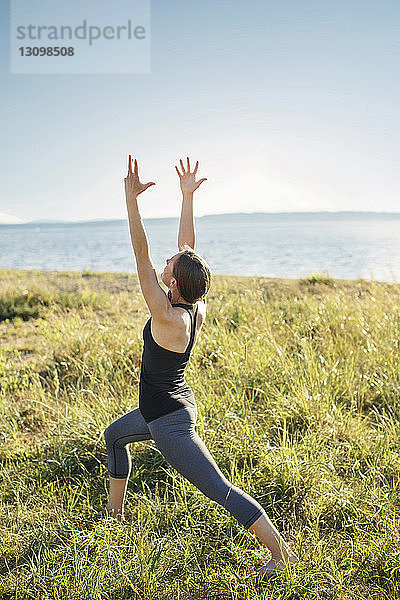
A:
[168,274]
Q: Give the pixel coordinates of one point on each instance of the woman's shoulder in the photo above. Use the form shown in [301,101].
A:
[198,307]
[201,307]
[179,313]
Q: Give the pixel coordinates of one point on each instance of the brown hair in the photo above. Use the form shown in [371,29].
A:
[192,274]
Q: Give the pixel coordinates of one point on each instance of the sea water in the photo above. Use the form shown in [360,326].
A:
[343,245]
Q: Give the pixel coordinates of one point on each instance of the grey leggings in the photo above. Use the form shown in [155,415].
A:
[176,438]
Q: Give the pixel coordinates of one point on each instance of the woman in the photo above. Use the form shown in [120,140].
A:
[167,409]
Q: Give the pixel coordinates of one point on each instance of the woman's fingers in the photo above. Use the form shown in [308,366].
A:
[187,169]
[147,185]
[201,181]
[180,175]
[136,171]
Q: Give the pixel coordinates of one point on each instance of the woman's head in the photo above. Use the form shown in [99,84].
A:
[190,273]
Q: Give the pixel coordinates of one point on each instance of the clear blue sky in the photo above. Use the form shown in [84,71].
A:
[287,105]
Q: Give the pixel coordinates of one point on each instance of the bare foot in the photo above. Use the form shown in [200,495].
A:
[114,515]
[277,565]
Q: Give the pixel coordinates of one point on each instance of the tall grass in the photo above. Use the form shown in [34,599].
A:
[298,390]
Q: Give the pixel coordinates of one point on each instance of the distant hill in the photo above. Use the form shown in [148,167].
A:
[6,219]
[225,217]
[303,216]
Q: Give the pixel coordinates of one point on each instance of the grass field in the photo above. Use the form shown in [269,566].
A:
[298,389]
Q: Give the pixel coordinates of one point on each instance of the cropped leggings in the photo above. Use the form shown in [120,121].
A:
[176,438]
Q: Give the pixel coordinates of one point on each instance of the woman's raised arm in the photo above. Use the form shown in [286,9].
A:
[133,187]
[188,183]
[155,297]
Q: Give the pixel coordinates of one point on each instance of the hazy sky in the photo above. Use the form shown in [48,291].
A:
[287,105]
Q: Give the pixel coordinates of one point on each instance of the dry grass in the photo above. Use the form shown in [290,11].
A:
[298,389]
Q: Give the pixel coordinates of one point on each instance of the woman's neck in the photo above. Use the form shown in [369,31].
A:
[176,298]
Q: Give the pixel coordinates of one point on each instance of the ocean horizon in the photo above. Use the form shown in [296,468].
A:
[349,214]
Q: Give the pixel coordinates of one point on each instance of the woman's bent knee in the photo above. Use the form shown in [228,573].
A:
[109,435]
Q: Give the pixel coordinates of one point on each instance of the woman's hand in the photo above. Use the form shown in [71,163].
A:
[133,187]
[187,179]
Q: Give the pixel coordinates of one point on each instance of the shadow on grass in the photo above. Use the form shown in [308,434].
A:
[32,304]
[76,462]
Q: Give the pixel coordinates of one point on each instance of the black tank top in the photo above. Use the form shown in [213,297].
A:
[163,388]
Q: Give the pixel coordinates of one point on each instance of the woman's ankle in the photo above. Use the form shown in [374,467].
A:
[290,557]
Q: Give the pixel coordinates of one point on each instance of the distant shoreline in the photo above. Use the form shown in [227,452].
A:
[300,215]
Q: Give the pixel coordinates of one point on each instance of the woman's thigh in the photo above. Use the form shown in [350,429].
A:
[177,439]
[129,428]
